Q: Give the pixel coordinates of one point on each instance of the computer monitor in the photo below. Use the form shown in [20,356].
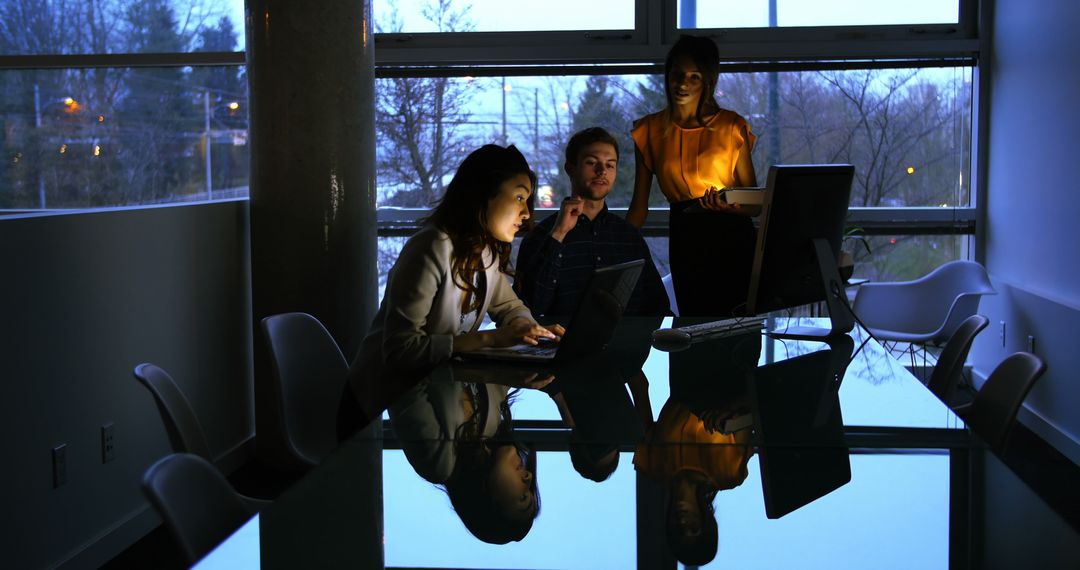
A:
[799,237]
[801,449]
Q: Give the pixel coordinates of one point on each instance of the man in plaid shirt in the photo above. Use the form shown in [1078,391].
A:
[559,254]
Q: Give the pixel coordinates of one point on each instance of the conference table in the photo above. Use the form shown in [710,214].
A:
[850,462]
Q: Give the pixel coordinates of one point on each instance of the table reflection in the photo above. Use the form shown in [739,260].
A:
[460,436]
[707,454]
[726,399]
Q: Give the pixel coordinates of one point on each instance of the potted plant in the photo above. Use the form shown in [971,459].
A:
[845,261]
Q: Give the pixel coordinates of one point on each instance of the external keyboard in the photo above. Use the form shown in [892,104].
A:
[726,327]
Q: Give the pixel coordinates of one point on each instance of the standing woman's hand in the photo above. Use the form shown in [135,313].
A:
[714,200]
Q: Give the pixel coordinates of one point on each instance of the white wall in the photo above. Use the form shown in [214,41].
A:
[85,298]
[1033,206]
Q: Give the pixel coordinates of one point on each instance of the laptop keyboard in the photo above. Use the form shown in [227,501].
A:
[537,350]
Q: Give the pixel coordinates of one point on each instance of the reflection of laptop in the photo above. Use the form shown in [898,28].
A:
[801,432]
[592,324]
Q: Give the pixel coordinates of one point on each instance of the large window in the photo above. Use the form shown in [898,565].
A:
[889,88]
[405,16]
[122,102]
[907,130]
[799,13]
[44,27]
[115,103]
[84,138]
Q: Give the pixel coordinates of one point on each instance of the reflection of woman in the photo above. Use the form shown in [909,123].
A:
[694,148]
[696,462]
[459,435]
[447,277]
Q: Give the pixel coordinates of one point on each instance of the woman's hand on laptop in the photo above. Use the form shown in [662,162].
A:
[522,331]
[558,330]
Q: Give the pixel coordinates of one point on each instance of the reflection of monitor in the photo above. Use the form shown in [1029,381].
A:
[800,431]
[801,229]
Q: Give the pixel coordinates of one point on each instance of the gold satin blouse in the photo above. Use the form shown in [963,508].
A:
[686,162]
[679,441]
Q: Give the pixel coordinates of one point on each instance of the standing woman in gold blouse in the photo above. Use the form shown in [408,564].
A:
[695,149]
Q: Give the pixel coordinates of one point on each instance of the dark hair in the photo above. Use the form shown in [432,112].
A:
[468,485]
[699,550]
[586,137]
[705,55]
[462,214]
[594,461]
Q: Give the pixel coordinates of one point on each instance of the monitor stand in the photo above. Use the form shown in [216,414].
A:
[840,317]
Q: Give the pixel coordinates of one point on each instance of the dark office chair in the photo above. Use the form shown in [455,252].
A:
[196,502]
[992,414]
[187,436]
[309,373]
[950,365]
[185,432]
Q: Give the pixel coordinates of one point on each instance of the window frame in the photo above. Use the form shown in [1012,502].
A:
[743,50]
[642,50]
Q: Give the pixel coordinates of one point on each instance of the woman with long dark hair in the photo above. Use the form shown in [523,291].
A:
[694,149]
[459,436]
[448,276]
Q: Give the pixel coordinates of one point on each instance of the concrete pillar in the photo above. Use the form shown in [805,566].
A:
[311,76]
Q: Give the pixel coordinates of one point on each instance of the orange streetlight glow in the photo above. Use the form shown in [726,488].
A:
[69,101]
[63,148]
[101,118]
[97,150]
[233,105]
[911,170]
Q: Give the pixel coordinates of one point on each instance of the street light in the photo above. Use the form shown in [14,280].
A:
[208,109]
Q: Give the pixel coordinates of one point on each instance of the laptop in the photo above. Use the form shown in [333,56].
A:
[592,325]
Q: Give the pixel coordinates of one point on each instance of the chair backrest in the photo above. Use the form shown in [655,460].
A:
[309,373]
[196,502]
[965,282]
[927,309]
[950,365]
[185,432]
[993,412]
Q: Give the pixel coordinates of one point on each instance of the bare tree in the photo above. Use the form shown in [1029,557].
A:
[419,122]
[893,123]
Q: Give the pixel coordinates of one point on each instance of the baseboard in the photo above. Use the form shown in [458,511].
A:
[1051,434]
[112,541]
[129,530]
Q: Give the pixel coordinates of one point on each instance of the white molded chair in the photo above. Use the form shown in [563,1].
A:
[926,311]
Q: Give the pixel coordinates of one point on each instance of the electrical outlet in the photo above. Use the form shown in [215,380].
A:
[108,443]
[1002,334]
[59,465]
[1031,344]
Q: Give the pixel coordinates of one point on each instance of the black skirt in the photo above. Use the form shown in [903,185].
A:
[711,255]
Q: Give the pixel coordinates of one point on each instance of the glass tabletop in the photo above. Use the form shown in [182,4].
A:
[875,391]
[781,453]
